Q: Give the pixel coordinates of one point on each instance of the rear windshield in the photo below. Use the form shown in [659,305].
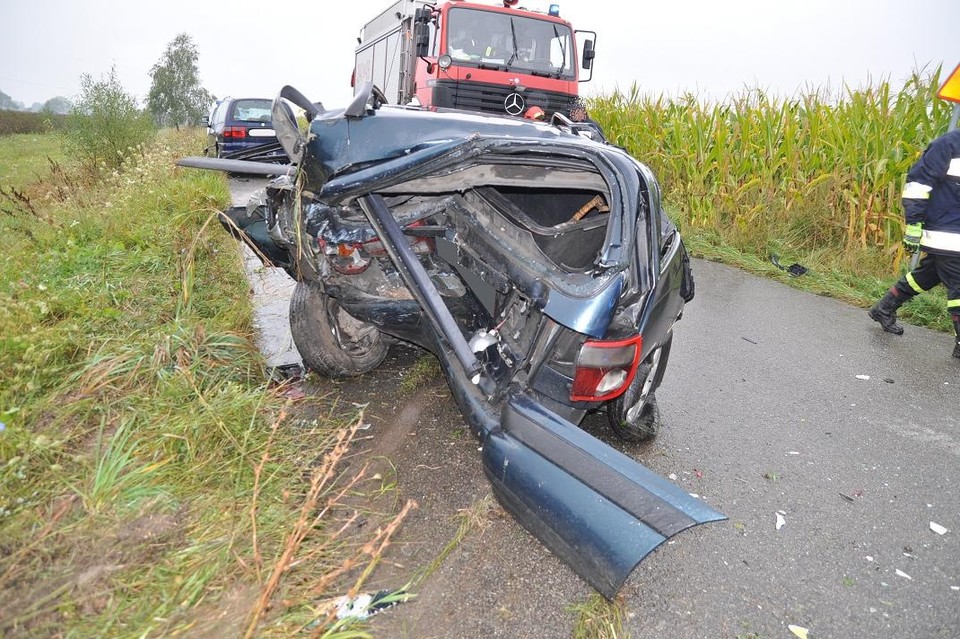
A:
[252,110]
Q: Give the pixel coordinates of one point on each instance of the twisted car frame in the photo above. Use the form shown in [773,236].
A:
[533,259]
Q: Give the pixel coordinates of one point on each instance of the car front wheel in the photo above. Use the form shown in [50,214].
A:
[332,342]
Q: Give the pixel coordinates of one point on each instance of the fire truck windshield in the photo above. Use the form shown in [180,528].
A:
[526,44]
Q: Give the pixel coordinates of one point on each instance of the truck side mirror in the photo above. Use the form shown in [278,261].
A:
[588,54]
[421,36]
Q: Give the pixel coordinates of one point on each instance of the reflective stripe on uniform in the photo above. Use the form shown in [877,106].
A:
[916,191]
[954,168]
[942,240]
[913,283]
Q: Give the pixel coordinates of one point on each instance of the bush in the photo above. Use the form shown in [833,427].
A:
[106,125]
[13,122]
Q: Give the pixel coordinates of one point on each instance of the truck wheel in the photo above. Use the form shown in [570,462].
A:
[635,416]
[330,341]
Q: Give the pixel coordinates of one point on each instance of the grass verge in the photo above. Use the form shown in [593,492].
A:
[152,483]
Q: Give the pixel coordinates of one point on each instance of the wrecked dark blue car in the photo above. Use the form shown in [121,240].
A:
[533,259]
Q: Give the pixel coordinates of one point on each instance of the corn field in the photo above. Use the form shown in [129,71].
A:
[816,175]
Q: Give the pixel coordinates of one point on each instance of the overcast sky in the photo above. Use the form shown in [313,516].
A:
[709,48]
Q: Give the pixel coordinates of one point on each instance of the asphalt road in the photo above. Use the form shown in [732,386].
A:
[765,380]
[765,412]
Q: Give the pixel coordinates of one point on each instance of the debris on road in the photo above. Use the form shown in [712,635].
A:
[863,377]
[799,631]
[293,392]
[781,522]
[937,528]
[287,372]
[847,497]
[367,604]
[794,270]
[900,573]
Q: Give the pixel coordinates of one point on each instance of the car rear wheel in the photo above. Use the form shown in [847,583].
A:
[635,416]
[332,342]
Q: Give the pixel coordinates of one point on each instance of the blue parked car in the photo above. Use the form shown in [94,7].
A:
[242,129]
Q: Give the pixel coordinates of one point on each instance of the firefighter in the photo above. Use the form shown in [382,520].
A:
[931,203]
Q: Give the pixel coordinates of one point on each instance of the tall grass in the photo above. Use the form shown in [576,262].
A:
[817,176]
[152,482]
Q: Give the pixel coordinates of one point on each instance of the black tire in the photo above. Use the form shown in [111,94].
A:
[643,428]
[634,416]
[330,341]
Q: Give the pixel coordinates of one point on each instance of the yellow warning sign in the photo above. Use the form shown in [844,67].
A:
[951,88]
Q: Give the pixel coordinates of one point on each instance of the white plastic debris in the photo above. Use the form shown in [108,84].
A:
[357,607]
[781,522]
[672,476]
[793,452]
[366,604]
[799,631]
[869,558]
[863,377]
[937,528]
[954,587]
[900,573]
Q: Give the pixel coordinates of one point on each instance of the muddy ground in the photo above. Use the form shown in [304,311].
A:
[495,582]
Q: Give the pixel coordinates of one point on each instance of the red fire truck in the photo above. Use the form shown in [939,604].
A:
[479,57]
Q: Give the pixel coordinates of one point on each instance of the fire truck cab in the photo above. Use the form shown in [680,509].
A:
[467,55]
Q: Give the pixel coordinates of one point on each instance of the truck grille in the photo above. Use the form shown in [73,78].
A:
[489,98]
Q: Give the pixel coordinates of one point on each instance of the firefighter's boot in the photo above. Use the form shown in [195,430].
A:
[956,328]
[885,311]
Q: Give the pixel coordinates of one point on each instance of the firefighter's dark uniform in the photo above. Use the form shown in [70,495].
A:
[931,197]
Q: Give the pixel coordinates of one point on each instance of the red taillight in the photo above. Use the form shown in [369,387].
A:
[235,132]
[605,369]
[352,257]
[344,258]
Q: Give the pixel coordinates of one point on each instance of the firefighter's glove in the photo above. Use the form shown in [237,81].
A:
[912,235]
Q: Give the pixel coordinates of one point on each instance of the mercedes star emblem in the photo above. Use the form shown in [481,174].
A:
[513,104]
